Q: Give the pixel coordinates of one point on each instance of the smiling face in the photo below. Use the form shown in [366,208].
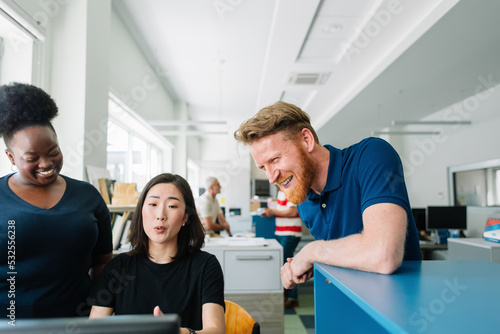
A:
[286,163]
[36,154]
[163,214]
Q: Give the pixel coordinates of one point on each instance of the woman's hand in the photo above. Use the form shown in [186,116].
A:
[157,312]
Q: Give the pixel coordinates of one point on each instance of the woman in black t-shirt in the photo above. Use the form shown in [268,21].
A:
[166,272]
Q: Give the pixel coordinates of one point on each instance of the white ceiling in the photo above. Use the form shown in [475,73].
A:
[372,60]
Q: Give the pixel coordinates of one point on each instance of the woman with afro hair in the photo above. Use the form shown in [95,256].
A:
[55,232]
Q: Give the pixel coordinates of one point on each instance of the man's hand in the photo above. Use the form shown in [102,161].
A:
[289,279]
[268,213]
[301,263]
[227,229]
[287,275]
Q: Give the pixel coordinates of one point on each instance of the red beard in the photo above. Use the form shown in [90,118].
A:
[303,178]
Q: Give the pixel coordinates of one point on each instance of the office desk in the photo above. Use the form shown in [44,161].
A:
[473,249]
[421,297]
[428,247]
[252,277]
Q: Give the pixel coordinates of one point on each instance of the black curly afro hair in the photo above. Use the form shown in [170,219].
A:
[23,105]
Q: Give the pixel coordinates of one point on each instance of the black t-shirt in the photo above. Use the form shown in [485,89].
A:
[135,285]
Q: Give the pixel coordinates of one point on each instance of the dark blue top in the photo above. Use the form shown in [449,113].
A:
[46,253]
[364,174]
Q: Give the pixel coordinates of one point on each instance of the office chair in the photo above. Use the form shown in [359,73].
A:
[238,321]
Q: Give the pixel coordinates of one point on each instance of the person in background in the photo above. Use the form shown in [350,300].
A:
[209,210]
[288,232]
[353,200]
[166,271]
[55,232]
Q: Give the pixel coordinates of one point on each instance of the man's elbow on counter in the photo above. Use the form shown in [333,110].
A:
[388,264]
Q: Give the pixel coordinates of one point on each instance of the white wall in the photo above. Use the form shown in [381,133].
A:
[78,36]
[426,158]
[181,143]
[133,79]
[138,85]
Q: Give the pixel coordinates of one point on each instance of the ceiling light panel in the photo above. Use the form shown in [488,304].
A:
[406,133]
[321,50]
[346,8]
[333,29]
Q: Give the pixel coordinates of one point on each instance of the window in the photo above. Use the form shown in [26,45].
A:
[117,151]
[140,161]
[136,152]
[16,51]
[193,177]
[475,184]
[20,49]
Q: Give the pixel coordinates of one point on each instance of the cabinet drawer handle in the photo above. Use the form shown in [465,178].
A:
[253,257]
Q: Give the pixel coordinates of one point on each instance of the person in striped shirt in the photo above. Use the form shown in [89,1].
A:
[288,233]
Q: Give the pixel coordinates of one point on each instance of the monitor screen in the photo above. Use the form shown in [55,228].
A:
[262,188]
[446,217]
[419,216]
[120,324]
[235,211]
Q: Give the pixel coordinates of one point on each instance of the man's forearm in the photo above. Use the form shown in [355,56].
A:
[378,248]
[352,252]
[209,224]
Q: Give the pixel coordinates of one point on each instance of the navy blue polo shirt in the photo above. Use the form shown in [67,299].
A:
[364,174]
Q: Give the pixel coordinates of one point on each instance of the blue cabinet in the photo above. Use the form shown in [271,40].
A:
[421,297]
[264,226]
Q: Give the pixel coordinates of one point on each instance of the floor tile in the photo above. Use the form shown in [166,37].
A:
[307,320]
[306,304]
[300,320]
[293,325]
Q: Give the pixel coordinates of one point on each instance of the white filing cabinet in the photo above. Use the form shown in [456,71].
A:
[473,249]
[252,277]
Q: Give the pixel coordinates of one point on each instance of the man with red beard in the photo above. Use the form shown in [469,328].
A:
[354,200]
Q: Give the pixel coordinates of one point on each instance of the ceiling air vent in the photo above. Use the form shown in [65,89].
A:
[308,78]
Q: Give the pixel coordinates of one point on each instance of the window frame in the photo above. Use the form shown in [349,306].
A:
[130,121]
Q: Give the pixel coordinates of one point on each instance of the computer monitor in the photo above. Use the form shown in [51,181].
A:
[447,217]
[120,324]
[419,216]
[261,188]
